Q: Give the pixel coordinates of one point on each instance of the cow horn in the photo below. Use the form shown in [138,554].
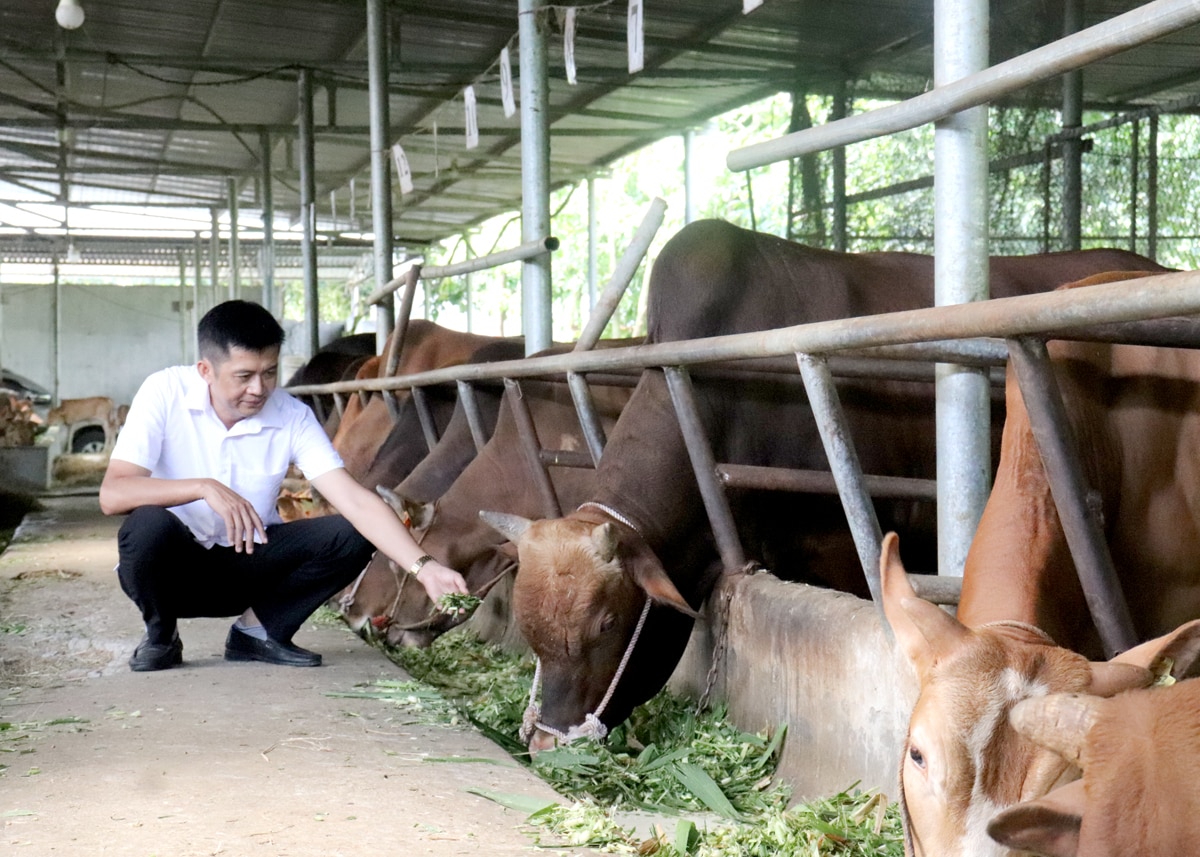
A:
[392,499]
[510,526]
[1058,722]
[1111,677]
[604,539]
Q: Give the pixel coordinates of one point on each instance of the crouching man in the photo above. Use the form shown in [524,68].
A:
[198,467]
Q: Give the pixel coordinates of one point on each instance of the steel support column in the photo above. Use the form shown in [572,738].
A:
[689,178]
[235,267]
[593,274]
[214,253]
[536,319]
[381,171]
[198,261]
[1152,191]
[1072,149]
[267,259]
[839,172]
[960,276]
[308,210]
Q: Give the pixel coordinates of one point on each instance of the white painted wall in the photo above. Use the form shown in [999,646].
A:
[113,336]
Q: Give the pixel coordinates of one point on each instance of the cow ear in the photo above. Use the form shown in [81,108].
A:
[1048,826]
[420,515]
[647,572]
[924,631]
[604,540]
[1174,654]
[511,527]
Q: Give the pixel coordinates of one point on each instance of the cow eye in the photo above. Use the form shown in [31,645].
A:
[918,758]
[607,623]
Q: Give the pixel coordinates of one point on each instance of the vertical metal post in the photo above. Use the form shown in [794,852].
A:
[960,275]
[1072,149]
[214,254]
[57,337]
[1084,532]
[470,404]
[267,260]
[235,255]
[1134,169]
[593,274]
[198,263]
[1152,191]
[839,111]
[183,313]
[381,170]
[469,284]
[847,473]
[535,175]
[308,210]
[689,178]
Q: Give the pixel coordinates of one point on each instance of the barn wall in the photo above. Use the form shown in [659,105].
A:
[114,336]
[818,661]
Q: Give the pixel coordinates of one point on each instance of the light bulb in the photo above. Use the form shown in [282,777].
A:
[69,14]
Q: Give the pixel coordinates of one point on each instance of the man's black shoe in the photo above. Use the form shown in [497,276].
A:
[148,656]
[240,646]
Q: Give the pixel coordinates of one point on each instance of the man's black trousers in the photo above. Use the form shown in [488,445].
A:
[169,575]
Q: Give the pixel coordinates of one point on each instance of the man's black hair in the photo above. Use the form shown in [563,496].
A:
[241,324]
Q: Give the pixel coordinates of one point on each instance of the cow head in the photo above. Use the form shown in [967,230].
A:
[1139,758]
[963,761]
[581,589]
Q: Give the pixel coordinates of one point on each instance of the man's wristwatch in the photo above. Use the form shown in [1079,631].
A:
[419,564]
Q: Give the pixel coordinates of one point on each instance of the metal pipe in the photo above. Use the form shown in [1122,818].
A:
[308,211]
[963,422]
[57,335]
[1068,486]
[622,274]
[198,263]
[837,114]
[536,297]
[593,274]
[847,473]
[1152,191]
[1146,23]
[1072,148]
[1158,296]
[381,175]
[235,258]
[395,344]
[532,447]
[214,253]
[704,467]
[689,180]
[470,406]
[1134,170]
[267,257]
[183,311]
[589,422]
[424,416]
[521,252]
[822,482]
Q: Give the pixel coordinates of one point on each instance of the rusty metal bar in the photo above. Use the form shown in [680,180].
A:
[1084,532]
[821,482]
[720,515]
[521,252]
[470,404]
[425,416]
[339,402]
[585,409]
[532,448]
[566,458]
[843,461]
[396,344]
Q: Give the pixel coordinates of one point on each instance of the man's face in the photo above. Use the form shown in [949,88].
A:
[240,384]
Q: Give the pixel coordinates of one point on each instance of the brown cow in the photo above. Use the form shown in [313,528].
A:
[713,278]
[446,518]
[1140,755]
[98,409]
[363,428]
[1133,413]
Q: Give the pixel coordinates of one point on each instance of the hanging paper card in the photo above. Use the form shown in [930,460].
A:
[634,37]
[402,169]
[472,121]
[569,44]
[749,6]
[506,90]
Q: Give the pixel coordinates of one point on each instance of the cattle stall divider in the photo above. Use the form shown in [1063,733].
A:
[1143,311]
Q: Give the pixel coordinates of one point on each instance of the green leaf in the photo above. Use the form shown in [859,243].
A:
[664,759]
[686,836]
[696,780]
[512,800]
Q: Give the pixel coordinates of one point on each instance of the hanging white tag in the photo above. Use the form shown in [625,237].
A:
[634,37]
[749,6]
[568,26]
[472,122]
[353,194]
[506,90]
[402,169]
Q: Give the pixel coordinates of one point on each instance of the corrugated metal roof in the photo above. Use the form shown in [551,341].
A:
[157,101]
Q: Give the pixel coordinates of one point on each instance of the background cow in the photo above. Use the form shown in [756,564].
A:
[1140,755]
[713,278]
[93,409]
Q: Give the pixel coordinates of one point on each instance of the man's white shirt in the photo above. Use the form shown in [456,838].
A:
[173,431]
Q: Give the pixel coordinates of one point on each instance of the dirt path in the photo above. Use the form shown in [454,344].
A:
[214,758]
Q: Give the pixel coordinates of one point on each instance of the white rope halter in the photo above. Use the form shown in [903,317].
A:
[591,727]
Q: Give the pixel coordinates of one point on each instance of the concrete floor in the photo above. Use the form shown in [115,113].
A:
[214,758]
